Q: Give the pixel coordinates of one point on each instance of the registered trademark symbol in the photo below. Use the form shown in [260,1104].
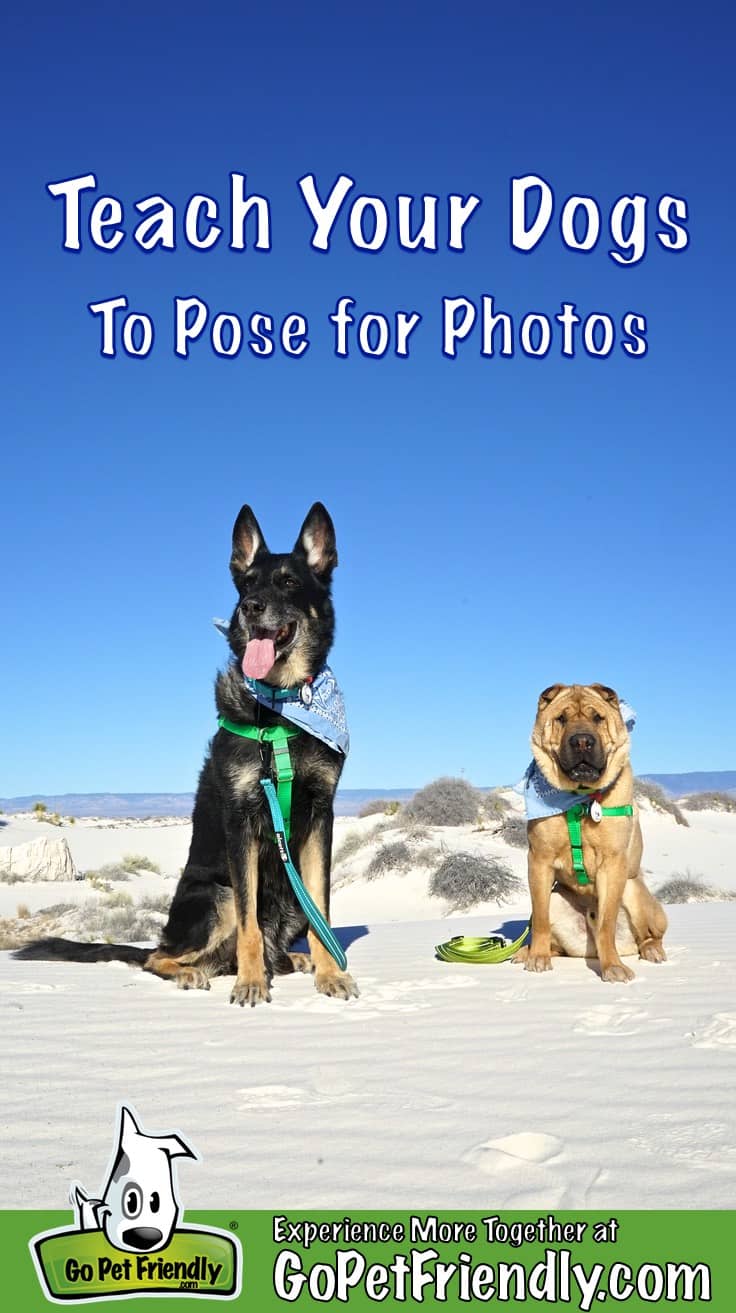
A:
[233,1226]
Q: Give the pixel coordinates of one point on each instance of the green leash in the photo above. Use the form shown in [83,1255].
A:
[279,804]
[278,736]
[468,948]
[574,816]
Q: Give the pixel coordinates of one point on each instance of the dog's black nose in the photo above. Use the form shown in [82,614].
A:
[253,606]
[582,742]
[143,1237]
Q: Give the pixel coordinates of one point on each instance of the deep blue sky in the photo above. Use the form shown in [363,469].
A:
[502,524]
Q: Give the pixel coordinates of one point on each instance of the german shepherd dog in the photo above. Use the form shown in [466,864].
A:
[234,911]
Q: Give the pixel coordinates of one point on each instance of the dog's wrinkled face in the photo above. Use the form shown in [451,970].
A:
[283,625]
[579,738]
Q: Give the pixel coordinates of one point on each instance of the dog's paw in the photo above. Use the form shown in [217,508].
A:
[652,952]
[617,974]
[301,962]
[336,984]
[538,962]
[192,978]
[521,957]
[250,992]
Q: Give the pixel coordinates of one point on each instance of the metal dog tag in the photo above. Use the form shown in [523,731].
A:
[595,813]
[306,695]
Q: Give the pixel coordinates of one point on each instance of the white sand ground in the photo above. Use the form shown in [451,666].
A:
[442,1085]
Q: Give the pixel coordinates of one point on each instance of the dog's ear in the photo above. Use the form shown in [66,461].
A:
[175,1147]
[248,541]
[129,1127]
[606,693]
[316,542]
[549,693]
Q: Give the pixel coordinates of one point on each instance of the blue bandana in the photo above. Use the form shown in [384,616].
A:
[542,798]
[317,707]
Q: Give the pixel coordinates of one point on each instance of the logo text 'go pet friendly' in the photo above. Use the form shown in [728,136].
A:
[127,1242]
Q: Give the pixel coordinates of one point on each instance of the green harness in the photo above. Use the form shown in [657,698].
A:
[278,736]
[574,816]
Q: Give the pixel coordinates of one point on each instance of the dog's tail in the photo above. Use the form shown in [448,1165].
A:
[66,950]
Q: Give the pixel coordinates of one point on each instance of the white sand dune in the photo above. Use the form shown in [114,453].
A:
[443,1086]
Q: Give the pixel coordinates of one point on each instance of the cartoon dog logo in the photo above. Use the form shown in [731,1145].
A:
[139,1207]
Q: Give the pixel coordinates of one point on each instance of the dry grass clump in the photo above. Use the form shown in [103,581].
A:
[16,931]
[658,798]
[446,801]
[9,876]
[116,918]
[118,872]
[135,862]
[513,830]
[380,807]
[495,804]
[712,800]
[464,879]
[353,842]
[101,878]
[689,888]
[389,857]
[399,856]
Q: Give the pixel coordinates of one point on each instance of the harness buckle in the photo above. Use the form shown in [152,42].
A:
[282,762]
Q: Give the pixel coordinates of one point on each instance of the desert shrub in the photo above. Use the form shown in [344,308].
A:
[10,938]
[39,808]
[464,879]
[120,920]
[353,842]
[9,876]
[22,911]
[446,801]
[688,888]
[101,878]
[710,801]
[156,903]
[390,857]
[410,828]
[659,800]
[513,830]
[379,807]
[119,899]
[14,932]
[133,862]
[429,855]
[495,804]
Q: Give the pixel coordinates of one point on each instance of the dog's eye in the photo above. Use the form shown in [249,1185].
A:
[597,717]
[132,1200]
[561,719]
[288,581]
[155,1202]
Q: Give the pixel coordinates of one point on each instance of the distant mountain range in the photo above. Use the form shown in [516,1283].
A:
[349,801]
[696,781]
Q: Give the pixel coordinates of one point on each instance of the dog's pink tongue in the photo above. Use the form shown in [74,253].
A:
[260,655]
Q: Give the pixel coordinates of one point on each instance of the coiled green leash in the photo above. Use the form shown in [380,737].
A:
[479,949]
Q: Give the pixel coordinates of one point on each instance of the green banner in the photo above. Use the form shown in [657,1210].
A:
[363,1260]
